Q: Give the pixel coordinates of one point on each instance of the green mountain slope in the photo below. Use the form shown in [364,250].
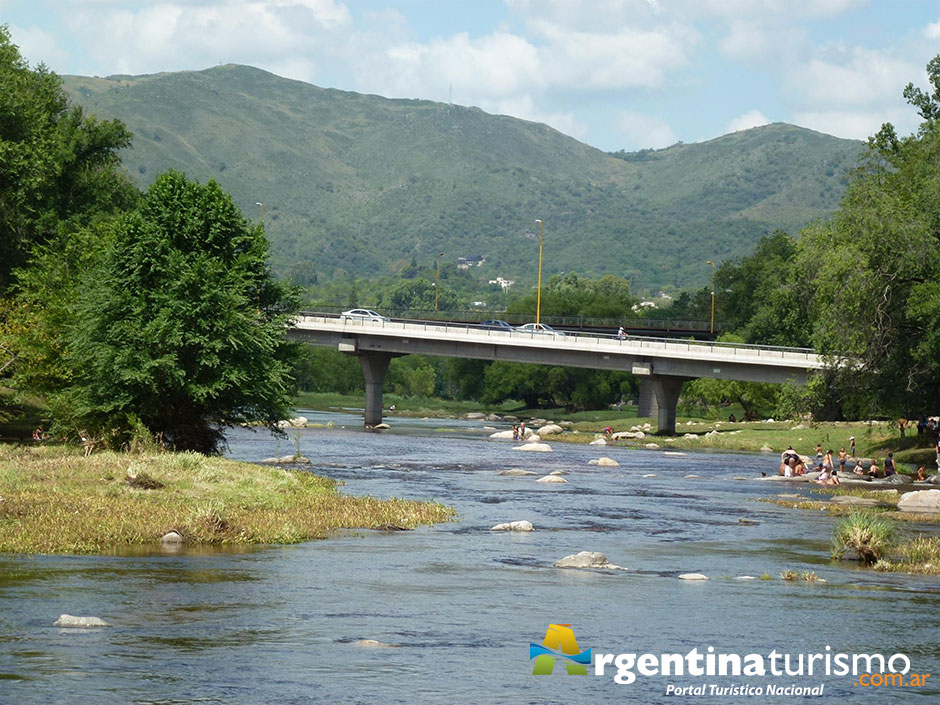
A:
[360,184]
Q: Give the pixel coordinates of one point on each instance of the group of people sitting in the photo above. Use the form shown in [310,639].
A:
[792,464]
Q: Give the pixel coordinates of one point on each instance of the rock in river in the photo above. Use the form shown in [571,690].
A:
[522,525]
[67,620]
[604,462]
[587,559]
[535,447]
[552,479]
[517,472]
[693,576]
[920,501]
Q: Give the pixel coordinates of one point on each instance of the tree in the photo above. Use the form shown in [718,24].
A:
[179,325]
[875,267]
[56,164]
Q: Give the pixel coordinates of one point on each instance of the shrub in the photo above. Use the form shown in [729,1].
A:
[868,534]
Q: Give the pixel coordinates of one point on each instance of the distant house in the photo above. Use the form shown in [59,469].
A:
[644,305]
[468,261]
[504,283]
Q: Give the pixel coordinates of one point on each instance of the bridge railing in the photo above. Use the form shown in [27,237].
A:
[516,319]
[561,336]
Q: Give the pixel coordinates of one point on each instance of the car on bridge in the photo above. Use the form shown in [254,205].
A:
[363,314]
[496,325]
[539,328]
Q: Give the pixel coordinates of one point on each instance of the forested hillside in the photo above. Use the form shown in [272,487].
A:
[360,184]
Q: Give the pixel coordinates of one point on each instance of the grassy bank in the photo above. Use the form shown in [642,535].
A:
[54,500]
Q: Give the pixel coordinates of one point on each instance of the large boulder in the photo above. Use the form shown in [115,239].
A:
[507,435]
[522,525]
[67,620]
[535,447]
[626,435]
[298,421]
[920,501]
[518,472]
[550,429]
[587,559]
[598,442]
[693,576]
[552,479]
[474,415]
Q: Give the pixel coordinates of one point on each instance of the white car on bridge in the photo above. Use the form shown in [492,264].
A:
[538,328]
[363,314]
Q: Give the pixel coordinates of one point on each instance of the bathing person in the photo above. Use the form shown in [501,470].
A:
[842,457]
[921,474]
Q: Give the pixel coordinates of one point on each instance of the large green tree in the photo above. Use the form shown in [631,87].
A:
[874,269]
[179,326]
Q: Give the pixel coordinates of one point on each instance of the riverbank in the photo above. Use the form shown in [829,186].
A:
[873,439]
[54,500]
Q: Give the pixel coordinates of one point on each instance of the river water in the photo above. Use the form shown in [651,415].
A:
[459,605]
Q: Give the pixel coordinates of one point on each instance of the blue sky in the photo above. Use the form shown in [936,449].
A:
[617,74]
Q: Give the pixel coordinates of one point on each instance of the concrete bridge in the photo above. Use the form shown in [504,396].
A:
[662,364]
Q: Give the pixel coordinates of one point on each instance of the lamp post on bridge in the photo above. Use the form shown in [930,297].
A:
[538,291]
[712,329]
[437,281]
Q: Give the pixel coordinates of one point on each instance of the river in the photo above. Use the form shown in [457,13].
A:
[457,604]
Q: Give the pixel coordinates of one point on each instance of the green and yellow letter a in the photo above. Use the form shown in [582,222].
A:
[558,638]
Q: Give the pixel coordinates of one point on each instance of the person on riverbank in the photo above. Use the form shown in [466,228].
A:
[819,454]
[852,446]
[889,466]
[515,432]
[873,470]
[902,424]
[859,469]
[842,458]
[522,431]
[921,474]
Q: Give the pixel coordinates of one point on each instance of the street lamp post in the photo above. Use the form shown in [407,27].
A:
[259,203]
[538,291]
[437,281]
[712,329]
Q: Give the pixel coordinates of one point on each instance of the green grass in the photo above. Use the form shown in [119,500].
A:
[54,500]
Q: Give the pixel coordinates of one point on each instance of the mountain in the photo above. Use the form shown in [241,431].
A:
[362,184]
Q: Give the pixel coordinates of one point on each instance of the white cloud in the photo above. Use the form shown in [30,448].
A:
[932,31]
[857,125]
[752,118]
[852,77]
[644,131]
[38,46]
[623,58]
[791,9]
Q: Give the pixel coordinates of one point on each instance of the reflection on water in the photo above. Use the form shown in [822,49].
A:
[460,604]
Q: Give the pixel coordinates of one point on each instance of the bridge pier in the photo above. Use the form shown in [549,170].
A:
[659,396]
[374,367]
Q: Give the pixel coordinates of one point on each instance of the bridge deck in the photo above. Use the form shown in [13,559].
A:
[631,346]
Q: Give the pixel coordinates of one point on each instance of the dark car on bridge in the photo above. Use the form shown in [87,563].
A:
[496,325]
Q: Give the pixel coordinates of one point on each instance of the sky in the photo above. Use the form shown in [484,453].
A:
[616,74]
